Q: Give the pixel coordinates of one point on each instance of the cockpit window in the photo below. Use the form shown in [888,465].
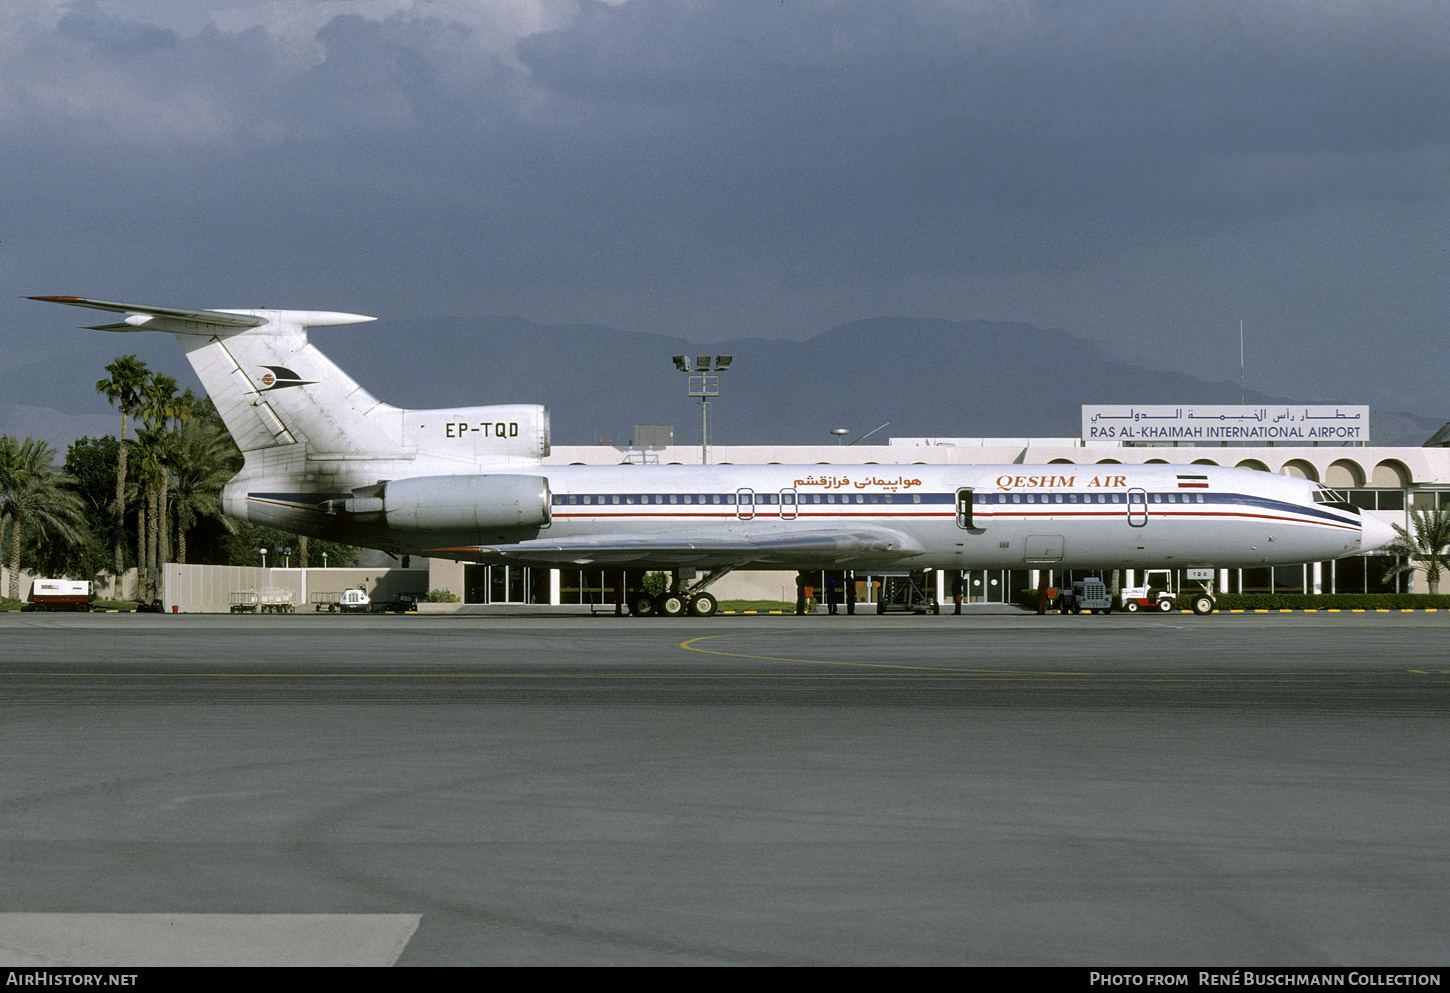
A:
[1333,498]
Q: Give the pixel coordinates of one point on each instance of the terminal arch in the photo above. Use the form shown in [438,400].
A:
[1391,474]
[1253,464]
[1344,474]
[1302,469]
[1204,462]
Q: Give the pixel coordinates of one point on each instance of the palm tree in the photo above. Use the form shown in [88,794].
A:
[123,391]
[154,446]
[35,497]
[1428,546]
[159,405]
[200,466]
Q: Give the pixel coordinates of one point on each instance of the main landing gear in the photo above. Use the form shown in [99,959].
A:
[678,600]
[673,605]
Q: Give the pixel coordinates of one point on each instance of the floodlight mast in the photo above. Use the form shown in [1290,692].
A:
[704,383]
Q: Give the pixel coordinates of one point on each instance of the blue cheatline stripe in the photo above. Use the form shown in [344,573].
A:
[904,507]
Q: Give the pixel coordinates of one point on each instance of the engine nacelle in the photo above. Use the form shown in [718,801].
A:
[456,503]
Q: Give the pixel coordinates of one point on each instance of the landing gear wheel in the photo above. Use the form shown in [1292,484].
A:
[702,605]
[1203,604]
[670,605]
[1165,605]
[641,604]
[1131,606]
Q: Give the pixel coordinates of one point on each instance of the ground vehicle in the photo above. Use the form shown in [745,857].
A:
[1089,594]
[354,601]
[1201,602]
[404,603]
[1134,598]
[909,592]
[60,594]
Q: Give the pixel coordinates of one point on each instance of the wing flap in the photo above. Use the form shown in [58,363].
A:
[789,548]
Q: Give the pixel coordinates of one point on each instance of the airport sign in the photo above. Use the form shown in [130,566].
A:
[1199,423]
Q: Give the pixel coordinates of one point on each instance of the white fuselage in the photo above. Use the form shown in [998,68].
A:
[1057,516]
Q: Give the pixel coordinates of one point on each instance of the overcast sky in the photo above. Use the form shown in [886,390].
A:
[1143,173]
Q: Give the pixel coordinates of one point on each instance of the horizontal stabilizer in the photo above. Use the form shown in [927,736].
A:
[207,323]
[168,319]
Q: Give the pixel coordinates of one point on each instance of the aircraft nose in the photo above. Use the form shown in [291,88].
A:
[1374,533]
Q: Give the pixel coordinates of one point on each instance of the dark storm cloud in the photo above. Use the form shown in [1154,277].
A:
[655,133]
[704,166]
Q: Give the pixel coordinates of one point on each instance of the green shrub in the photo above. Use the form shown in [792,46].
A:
[1327,601]
[441,596]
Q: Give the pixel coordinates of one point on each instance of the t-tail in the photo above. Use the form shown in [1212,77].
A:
[274,389]
[271,386]
[310,434]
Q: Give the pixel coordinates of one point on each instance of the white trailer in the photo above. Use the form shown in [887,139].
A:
[275,600]
[59,594]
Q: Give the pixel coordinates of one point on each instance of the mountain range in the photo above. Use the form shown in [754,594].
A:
[918,377]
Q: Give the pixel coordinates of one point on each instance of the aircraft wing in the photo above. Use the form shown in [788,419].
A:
[836,546]
[142,318]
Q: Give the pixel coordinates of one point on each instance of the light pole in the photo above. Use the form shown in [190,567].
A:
[287,559]
[840,433]
[704,383]
[264,557]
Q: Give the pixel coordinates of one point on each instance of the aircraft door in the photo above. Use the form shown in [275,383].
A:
[964,509]
[745,504]
[788,499]
[1137,508]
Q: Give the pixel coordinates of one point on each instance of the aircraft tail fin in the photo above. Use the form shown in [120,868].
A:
[270,385]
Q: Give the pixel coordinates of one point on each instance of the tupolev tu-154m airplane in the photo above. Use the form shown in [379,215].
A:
[324,458]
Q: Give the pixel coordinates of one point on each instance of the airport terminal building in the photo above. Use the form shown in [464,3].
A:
[1384,481]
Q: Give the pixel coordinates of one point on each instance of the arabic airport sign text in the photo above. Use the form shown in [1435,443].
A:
[1203,423]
